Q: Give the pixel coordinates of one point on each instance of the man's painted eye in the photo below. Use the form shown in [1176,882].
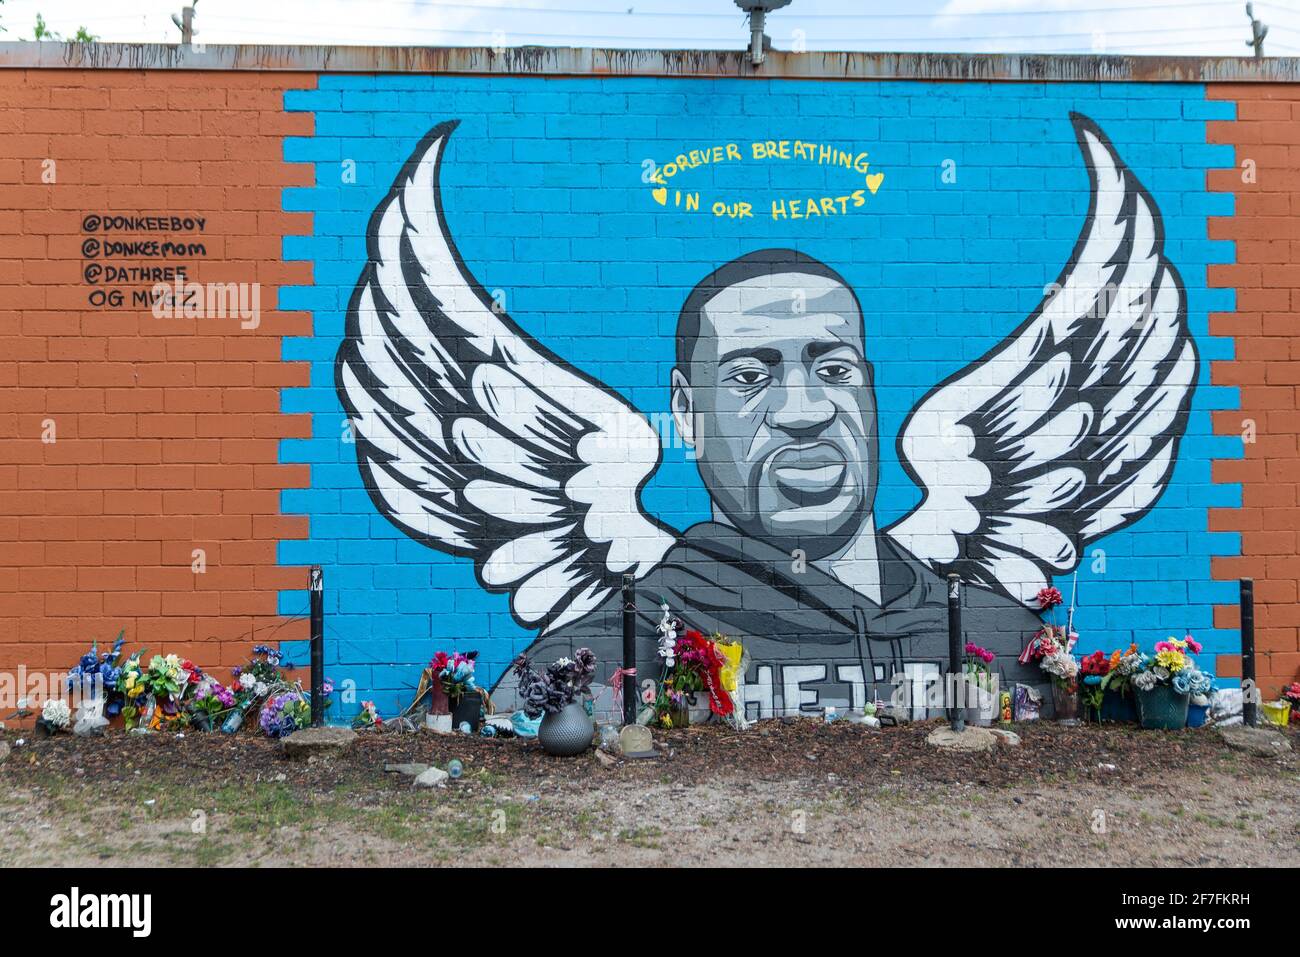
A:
[749,377]
[835,372]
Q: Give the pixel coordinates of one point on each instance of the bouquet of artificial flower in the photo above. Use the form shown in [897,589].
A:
[1174,665]
[977,664]
[94,673]
[285,713]
[454,672]
[137,706]
[56,715]
[368,717]
[1292,693]
[1053,650]
[1120,669]
[1094,668]
[210,702]
[166,679]
[564,681]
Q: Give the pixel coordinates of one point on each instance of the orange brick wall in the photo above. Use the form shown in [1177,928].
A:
[1266,370]
[98,528]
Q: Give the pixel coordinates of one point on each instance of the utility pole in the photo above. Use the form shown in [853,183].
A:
[1258,32]
[185,23]
[759,42]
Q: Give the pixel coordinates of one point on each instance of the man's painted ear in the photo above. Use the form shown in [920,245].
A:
[683,405]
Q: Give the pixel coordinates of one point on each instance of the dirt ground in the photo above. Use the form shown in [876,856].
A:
[782,793]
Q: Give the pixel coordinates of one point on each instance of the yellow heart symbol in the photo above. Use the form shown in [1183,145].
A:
[660,195]
[874,180]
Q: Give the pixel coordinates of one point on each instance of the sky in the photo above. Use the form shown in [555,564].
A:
[1161,27]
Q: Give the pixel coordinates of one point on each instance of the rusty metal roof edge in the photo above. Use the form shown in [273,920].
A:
[578,61]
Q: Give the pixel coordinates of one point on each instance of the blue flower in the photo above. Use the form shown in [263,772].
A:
[1182,683]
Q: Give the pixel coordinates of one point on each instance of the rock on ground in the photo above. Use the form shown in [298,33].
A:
[314,742]
[1259,741]
[431,778]
[412,770]
[972,739]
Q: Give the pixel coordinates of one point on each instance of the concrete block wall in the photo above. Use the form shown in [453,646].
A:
[174,435]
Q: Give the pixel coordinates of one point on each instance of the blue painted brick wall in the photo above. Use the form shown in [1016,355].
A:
[543,192]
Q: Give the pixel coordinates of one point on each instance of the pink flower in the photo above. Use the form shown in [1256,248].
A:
[1165,646]
[1193,644]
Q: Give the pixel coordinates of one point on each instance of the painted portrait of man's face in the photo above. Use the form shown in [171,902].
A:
[775,395]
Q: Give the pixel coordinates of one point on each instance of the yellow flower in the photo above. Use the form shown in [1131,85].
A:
[1171,661]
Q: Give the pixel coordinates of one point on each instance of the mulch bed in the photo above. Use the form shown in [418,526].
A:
[776,749]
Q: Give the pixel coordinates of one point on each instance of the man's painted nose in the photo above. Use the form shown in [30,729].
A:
[799,410]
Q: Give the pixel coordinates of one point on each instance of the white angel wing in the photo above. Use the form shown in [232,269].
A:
[1069,428]
[473,438]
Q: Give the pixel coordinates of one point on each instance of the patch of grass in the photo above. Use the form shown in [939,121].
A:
[646,836]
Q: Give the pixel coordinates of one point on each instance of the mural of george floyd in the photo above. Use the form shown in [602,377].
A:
[788,349]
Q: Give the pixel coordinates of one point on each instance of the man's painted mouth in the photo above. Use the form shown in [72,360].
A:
[811,474]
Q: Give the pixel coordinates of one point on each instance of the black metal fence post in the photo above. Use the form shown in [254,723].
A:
[629,649]
[1249,690]
[317,647]
[956,714]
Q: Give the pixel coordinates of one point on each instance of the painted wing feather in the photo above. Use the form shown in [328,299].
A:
[1069,428]
[474,439]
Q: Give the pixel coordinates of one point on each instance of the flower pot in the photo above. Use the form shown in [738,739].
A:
[467,709]
[201,721]
[440,723]
[981,706]
[1065,701]
[439,703]
[567,732]
[1162,707]
[1197,714]
[1118,706]
[1277,712]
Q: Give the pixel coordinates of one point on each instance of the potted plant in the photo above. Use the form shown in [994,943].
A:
[1163,685]
[692,684]
[454,673]
[1052,648]
[557,696]
[981,691]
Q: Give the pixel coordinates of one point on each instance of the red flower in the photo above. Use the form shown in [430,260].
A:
[440,661]
[195,674]
[1095,664]
[1049,598]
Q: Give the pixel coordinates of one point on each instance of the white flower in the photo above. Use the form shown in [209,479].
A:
[247,680]
[55,711]
[563,662]
[259,688]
